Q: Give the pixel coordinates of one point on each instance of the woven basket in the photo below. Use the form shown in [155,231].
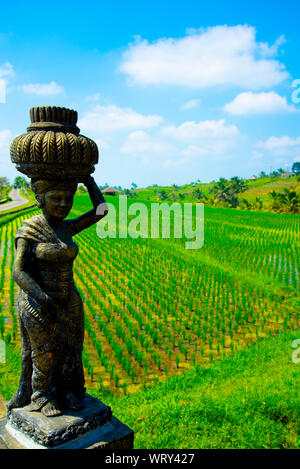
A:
[53,148]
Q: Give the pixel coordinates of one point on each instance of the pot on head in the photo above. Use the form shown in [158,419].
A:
[53,148]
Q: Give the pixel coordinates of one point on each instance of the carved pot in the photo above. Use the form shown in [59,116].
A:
[53,147]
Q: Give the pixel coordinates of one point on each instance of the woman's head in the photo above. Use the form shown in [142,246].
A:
[54,198]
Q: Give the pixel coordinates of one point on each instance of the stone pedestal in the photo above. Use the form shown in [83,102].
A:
[92,427]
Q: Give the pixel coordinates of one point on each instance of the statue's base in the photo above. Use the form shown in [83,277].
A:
[92,427]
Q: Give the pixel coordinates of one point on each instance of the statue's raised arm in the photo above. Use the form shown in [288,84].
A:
[100,208]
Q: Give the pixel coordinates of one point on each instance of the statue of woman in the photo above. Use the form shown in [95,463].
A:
[50,308]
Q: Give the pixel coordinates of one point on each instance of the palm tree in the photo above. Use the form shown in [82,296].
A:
[226,192]
[258,203]
[286,201]
[291,200]
[239,184]
[199,194]
[275,205]
[245,204]
[163,195]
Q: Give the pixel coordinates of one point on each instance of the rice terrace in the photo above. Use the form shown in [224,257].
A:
[155,310]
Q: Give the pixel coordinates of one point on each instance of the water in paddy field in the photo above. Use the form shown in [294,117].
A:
[284,264]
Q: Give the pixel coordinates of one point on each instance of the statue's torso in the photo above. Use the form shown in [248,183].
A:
[52,267]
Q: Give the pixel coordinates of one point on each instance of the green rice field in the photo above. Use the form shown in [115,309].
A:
[154,309]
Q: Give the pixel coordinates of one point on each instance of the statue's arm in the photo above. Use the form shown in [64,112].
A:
[24,279]
[100,208]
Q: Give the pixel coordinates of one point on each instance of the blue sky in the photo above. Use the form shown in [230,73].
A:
[172,92]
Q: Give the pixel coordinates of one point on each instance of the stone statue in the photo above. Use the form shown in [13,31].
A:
[50,309]
[50,408]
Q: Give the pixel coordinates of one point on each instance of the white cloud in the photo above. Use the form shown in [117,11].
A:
[45,89]
[248,103]
[210,148]
[270,51]
[257,155]
[112,118]
[93,97]
[205,139]
[102,144]
[191,104]
[6,70]
[5,139]
[175,162]
[209,129]
[141,142]
[216,56]
[284,145]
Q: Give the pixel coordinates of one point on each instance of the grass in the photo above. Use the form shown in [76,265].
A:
[248,400]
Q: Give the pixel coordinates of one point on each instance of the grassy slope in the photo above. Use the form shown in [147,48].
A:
[262,187]
[248,400]
[259,188]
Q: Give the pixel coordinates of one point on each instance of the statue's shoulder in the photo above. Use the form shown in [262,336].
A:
[36,220]
[33,229]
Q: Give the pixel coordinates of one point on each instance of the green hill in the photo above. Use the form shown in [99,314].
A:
[262,187]
[259,188]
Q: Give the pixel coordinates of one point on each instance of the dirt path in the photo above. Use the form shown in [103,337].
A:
[17,200]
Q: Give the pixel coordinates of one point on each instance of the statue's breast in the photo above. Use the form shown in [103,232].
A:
[52,268]
[54,253]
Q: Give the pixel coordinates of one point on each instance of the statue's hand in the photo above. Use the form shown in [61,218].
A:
[48,308]
[87,180]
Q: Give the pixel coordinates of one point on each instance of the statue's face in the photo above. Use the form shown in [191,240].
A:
[57,204]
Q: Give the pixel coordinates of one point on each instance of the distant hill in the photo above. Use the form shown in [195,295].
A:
[262,187]
[257,188]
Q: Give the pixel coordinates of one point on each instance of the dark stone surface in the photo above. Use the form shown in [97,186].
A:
[50,408]
[49,307]
[52,431]
[118,437]
[92,427]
